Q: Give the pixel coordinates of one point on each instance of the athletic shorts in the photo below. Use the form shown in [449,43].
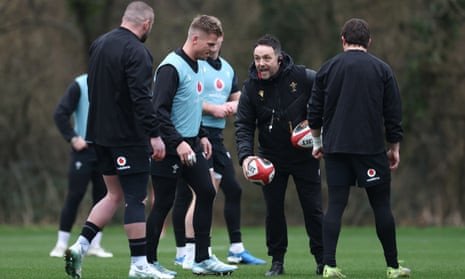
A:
[170,166]
[84,161]
[123,160]
[349,169]
[220,159]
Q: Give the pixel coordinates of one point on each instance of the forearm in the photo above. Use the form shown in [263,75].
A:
[316,133]
[208,108]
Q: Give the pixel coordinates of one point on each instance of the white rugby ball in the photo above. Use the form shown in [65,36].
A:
[301,136]
[260,171]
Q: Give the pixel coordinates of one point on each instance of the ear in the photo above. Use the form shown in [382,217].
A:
[194,39]
[146,24]
[343,42]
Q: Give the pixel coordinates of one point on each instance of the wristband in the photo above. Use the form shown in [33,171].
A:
[317,142]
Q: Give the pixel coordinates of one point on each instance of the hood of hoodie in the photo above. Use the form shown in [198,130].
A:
[284,67]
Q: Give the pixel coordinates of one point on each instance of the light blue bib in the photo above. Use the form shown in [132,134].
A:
[218,84]
[186,113]
[80,114]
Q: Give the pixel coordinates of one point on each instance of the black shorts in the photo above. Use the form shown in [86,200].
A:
[170,166]
[220,159]
[365,170]
[83,162]
[123,160]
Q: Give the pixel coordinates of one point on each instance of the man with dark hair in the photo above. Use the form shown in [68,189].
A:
[120,125]
[274,100]
[356,101]
[178,85]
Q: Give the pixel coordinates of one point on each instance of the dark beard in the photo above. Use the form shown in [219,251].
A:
[144,38]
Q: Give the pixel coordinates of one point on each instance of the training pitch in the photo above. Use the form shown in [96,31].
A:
[430,253]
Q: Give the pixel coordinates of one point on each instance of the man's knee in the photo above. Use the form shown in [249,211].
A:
[134,209]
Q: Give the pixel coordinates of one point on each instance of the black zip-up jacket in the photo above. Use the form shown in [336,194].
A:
[274,106]
[357,101]
[119,81]
[65,108]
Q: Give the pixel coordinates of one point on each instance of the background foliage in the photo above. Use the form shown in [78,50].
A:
[44,46]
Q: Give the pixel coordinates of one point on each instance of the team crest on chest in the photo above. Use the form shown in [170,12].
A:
[261,93]
[293,86]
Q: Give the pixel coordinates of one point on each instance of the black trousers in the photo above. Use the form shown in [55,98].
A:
[82,170]
[379,197]
[222,164]
[164,187]
[308,186]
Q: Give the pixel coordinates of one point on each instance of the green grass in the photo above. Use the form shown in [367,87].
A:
[430,253]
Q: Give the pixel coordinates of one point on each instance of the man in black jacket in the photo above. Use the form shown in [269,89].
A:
[357,102]
[120,125]
[273,101]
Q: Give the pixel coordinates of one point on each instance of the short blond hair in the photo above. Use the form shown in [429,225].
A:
[206,23]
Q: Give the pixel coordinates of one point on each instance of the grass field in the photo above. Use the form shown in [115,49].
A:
[430,253]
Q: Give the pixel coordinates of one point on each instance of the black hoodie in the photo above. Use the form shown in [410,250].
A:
[274,106]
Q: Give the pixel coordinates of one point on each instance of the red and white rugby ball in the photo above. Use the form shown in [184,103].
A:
[260,171]
[301,136]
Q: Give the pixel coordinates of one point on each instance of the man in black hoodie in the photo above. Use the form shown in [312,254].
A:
[273,101]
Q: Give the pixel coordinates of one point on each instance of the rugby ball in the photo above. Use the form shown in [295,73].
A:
[301,136]
[260,171]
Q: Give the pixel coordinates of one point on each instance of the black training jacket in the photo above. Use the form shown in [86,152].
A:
[274,107]
[119,81]
[356,100]
[65,108]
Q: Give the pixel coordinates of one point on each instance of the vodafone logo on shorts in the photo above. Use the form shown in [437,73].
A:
[371,173]
[121,163]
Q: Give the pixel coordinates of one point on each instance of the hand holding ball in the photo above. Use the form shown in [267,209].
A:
[301,136]
[258,170]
